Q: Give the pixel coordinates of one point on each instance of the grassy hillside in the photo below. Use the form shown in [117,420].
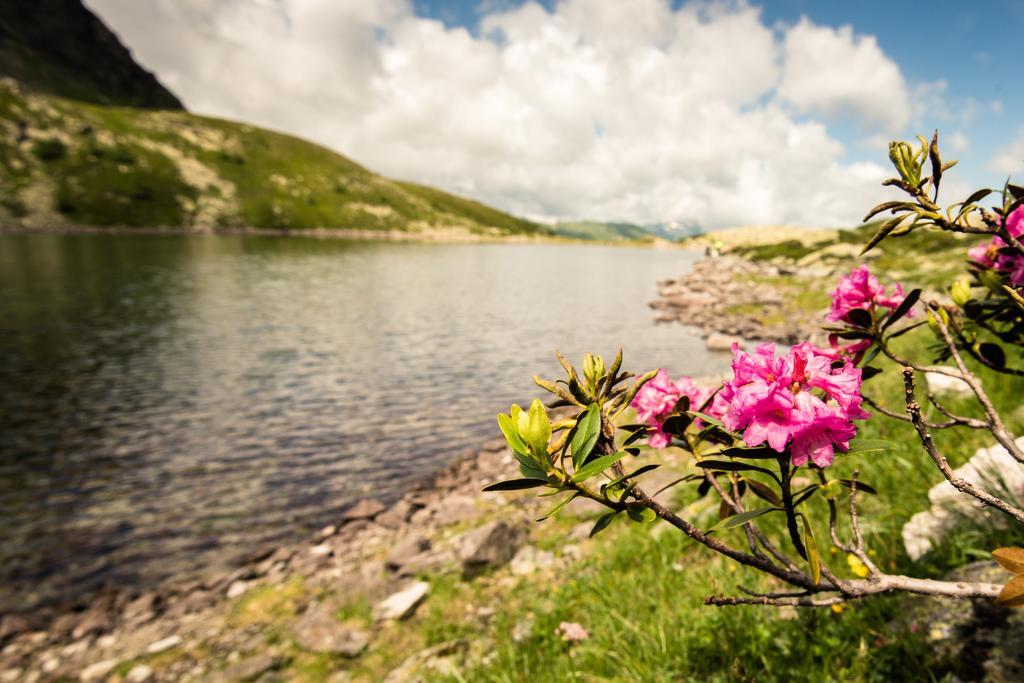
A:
[64,162]
[596,230]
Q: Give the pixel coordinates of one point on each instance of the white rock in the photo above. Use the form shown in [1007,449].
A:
[321,550]
[97,671]
[944,384]
[991,469]
[402,604]
[164,644]
[721,342]
[238,589]
[140,673]
[529,559]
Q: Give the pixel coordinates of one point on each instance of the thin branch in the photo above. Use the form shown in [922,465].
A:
[953,421]
[958,482]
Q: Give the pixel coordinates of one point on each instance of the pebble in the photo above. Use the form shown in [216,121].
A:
[164,644]
[402,604]
[140,673]
[97,671]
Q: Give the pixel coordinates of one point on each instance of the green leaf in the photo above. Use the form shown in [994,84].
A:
[993,354]
[635,436]
[708,419]
[588,429]
[859,317]
[903,308]
[731,466]
[603,521]
[640,513]
[538,431]
[636,473]
[756,453]
[813,558]
[861,446]
[882,233]
[596,466]
[508,428]
[529,467]
[861,486]
[742,518]
[763,491]
[555,510]
[516,484]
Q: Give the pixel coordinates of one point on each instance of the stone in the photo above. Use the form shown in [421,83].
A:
[488,546]
[318,631]
[455,509]
[12,625]
[430,561]
[529,560]
[97,671]
[971,640]
[238,589]
[252,668]
[322,550]
[721,342]
[405,550]
[326,532]
[402,604]
[396,515]
[141,609]
[368,508]
[944,384]
[163,644]
[96,619]
[140,673]
[436,659]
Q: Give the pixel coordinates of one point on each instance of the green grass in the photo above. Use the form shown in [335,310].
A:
[118,166]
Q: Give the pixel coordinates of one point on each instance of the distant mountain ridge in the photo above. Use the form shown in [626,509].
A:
[61,48]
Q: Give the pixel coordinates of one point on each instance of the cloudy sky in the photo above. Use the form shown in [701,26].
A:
[648,111]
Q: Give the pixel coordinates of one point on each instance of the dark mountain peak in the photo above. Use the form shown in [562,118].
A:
[62,48]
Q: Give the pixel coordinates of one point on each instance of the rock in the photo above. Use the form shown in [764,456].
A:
[163,644]
[141,609]
[140,673]
[402,604]
[405,550]
[430,561]
[12,625]
[992,469]
[454,509]
[491,545]
[326,532]
[237,589]
[367,508]
[529,559]
[252,668]
[436,659]
[97,671]
[944,384]
[96,619]
[318,631]
[721,342]
[971,640]
[321,550]
[396,515]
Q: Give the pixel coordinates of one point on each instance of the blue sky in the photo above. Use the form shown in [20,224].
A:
[717,113]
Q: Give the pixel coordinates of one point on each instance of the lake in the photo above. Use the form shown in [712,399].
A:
[169,402]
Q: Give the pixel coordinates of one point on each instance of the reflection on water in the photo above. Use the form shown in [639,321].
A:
[170,402]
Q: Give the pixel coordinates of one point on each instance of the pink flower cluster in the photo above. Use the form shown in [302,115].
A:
[988,256]
[658,398]
[572,632]
[860,289]
[798,400]
[803,400]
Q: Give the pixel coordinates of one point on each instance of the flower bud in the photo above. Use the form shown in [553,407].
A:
[593,369]
[960,290]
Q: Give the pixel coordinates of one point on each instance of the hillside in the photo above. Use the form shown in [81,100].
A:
[60,47]
[596,230]
[65,162]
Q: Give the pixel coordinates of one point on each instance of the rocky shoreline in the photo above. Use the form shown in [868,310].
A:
[730,298]
[445,525]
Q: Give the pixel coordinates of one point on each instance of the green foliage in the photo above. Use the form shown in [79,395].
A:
[49,149]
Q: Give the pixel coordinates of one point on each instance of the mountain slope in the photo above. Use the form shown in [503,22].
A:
[597,230]
[64,162]
[60,47]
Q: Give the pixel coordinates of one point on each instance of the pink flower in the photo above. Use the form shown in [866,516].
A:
[805,400]
[860,289]
[988,255]
[571,632]
[657,399]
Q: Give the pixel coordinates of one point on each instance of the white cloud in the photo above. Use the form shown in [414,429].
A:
[835,73]
[600,109]
[1010,158]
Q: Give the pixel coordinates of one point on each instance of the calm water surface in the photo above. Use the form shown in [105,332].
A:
[167,403]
